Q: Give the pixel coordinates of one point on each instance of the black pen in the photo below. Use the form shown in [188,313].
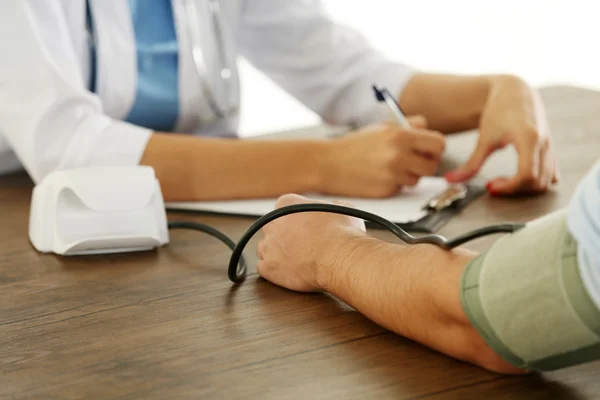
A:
[383,95]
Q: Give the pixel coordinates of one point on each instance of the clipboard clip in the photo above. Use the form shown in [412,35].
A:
[448,197]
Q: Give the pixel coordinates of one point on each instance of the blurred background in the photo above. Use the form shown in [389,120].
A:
[546,42]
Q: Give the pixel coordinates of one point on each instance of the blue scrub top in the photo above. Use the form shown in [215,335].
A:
[156,104]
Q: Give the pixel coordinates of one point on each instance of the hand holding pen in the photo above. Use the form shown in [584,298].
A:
[419,143]
[378,160]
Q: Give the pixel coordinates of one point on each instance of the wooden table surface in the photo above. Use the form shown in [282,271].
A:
[167,324]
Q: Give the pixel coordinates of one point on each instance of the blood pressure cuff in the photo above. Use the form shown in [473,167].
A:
[526,298]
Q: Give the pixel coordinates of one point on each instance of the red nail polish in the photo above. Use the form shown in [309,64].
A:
[491,190]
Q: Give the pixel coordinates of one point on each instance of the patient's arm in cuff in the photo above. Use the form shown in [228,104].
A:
[521,306]
[527,299]
[413,291]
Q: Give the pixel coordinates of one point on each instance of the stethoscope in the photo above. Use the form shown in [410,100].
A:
[227,82]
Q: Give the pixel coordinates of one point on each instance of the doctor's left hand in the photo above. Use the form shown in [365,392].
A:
[513,115]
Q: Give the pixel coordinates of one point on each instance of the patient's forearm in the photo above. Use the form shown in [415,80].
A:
[192,168]
[413,291]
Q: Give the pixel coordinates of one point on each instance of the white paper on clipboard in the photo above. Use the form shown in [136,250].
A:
[405,207]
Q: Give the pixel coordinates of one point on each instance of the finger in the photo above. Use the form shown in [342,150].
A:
[469,169]
[273,273]
[428,142]
[420,165]
[526,177]
[262,268]
[417,121]
[556,174]
[544,171]
[497,182]
[549,166]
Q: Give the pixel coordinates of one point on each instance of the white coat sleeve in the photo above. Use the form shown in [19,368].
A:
[47,115]
[328,67]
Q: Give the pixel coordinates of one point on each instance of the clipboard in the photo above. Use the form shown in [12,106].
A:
[436,219]
[411,210]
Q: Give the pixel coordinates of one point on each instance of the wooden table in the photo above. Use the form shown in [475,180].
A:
[167,324]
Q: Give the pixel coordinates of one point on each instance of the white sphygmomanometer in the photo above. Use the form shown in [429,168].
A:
[98,210]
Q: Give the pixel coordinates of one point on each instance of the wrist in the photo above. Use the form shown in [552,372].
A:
[324,160]
[498,83]
[317,167]
[332,271]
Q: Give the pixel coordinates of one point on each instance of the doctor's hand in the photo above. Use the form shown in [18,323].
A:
[514,114]
[377,161]
[297,249]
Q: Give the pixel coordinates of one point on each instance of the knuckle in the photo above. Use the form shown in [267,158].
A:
[532,134]
[546,142]
[391,160]
[287,199]
[435,141]
[404,137]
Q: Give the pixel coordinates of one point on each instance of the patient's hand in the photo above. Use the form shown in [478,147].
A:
[297,248]
[378,160]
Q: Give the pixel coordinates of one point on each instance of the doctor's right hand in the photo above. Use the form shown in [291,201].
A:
[377,161]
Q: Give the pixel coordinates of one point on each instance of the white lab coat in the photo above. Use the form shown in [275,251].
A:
[50,120]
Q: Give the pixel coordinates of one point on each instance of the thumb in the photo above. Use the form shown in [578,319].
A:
[472,166]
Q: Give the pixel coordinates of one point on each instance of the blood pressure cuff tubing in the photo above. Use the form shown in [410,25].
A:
[526,299]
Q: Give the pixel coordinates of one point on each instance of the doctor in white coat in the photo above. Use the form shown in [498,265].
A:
[116,82]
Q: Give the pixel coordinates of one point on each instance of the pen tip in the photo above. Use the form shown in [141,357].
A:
[378,93]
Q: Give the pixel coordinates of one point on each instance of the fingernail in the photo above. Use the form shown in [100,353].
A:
[452,175]
[491,190]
